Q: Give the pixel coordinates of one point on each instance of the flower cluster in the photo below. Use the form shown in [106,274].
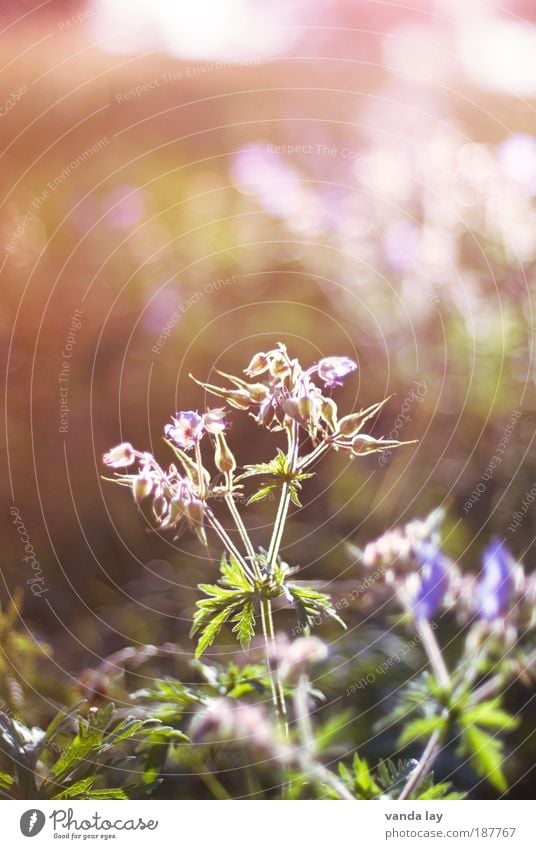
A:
[175,496]
[281,395]
[425,580]
[287,393]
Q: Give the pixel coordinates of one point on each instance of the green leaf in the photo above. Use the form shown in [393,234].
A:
[5,779]
[110,793]
[419,728]
[79,789]
[392,777]
[310,603]
[232,575]
[212,629]
[245,624]
[486,755]
[261,494]
[77,752]
[490,715]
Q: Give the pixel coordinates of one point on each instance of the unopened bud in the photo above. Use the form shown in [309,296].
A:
[258,365]
[160,507]
[142,486]
[365,444]
[258,392]
[237,398]
[350,425]
[195,513]
[223,456]
[328,411]
[279,366]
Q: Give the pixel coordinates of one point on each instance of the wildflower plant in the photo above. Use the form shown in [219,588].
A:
[284,398]
[455,701]
[458,701]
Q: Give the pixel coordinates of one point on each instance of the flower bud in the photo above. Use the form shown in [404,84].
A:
[258,392]
[328,411]
[121,455]
[194,510]
[142,486]
[237,398]
[223,456]
[258,365]
[279,366]
[160,507]
[350,425]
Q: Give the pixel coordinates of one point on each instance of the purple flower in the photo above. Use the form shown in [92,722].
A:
[186,430]
[434,576]
[331,370]
[496,585]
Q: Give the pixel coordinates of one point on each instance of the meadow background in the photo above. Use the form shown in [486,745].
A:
[181,188]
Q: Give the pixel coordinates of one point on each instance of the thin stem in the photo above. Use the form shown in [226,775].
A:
[303,717]
[306,756]
[202,492]
[229,544]
[267,645]
[327,777]
[284,502]
[314,455]
[242,530]
[278,692]
[423,767]
[433,652]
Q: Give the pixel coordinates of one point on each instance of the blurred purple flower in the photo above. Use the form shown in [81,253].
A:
[496,585]
[186,430]
[331,370]
[516,156]
[434,576]
[125,207]
[259,171]
[400,245]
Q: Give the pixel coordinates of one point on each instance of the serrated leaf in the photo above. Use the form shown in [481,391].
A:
[490,715]
[245,624]
[486,755]
[79,789]
[110,793]
[311,603]
[232,574]
[261,493]
[213,628]
[76,753]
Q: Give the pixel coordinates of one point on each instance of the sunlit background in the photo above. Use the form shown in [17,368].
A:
[183,184]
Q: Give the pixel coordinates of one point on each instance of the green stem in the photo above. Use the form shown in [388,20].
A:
[267,644]
[242,530]
[423,767]
[433,652]
[284,501]
[314,455]
[202,493]
[229,544]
